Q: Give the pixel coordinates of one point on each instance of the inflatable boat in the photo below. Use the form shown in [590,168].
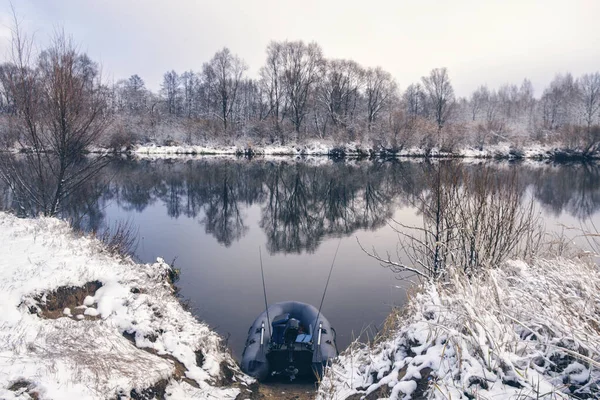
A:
[291,339]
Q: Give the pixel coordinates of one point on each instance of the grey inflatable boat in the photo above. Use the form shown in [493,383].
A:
[294,340]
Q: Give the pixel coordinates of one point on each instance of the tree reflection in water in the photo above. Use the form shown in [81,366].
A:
[301,203]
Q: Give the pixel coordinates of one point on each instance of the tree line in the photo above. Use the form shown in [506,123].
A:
[299,95]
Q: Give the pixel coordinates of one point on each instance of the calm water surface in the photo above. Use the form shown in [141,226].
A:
[211,216]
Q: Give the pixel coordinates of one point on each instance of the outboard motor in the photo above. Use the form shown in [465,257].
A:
[291,331]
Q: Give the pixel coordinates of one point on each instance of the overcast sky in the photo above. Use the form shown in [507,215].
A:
[479,41]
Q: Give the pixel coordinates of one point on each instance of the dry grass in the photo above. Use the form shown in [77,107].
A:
[524,331]
[121,238]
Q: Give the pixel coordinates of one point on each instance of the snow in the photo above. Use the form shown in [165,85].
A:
[88,357]
[217,150]
[522,330]
[353,149]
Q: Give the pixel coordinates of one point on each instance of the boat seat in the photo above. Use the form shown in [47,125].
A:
[303,338]
[281,319]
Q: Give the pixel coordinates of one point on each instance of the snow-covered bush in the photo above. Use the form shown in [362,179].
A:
[127,335]
[520,331]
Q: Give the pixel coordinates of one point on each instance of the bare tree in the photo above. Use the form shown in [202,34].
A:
[478,101]
[508,96]
[440,93]
[271,80]
[339,90]
[190,84]
[225,72]
[414,100]
[527,102]
[132,94]
[171,91]
[379,90]
[589,86]
[61,110]
[557,102]
[301,64]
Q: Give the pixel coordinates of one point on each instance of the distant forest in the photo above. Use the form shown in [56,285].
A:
[301,96]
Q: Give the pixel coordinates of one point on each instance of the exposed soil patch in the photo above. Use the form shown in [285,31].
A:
[381,392]
[384,391]
[157,391]
[423,383]
[227,374]
[70,297]
[278,389]
[23,386]
[199,358]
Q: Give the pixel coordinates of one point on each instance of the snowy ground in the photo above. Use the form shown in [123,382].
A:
[522,331]
[87,351]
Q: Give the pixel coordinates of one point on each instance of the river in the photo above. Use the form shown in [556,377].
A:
[211,215]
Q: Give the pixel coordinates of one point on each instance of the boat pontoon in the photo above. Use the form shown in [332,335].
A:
[290,338]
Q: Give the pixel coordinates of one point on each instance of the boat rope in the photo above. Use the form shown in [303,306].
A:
[327,284]
[262,273]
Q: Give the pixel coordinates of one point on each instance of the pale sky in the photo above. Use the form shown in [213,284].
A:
[493,42]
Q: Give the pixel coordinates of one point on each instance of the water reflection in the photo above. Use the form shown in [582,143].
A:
[300,203]
[573,189]
[34,185]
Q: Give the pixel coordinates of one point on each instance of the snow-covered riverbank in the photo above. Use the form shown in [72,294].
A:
[78,322]
[522,331]
[502,151]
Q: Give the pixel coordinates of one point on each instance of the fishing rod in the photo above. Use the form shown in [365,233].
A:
[262,273]
[325,291]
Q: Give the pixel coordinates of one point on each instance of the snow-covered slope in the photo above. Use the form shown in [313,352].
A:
[87,351]
[522,331]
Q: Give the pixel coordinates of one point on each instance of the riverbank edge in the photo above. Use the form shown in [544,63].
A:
[521,330]
[80,322]
[354,150]
[503,151]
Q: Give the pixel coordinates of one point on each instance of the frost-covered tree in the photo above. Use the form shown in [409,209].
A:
[557,102]
[589,89]
[271,82]
[380,89]
[132,94]
[478,101]
[223,74]
[190,83]
[527,103]
[171,91]
[339,91]
[301,67]
[508,98]
[440,95]
[492,105]
[415,101]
